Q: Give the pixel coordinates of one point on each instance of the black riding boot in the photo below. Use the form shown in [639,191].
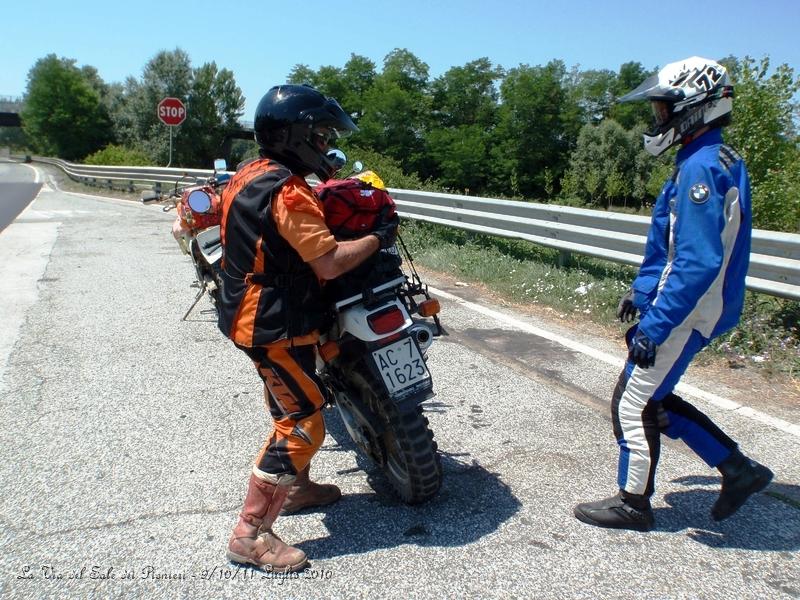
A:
[741,478]
[623,511]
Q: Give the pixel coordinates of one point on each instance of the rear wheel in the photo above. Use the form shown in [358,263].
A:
[411,461]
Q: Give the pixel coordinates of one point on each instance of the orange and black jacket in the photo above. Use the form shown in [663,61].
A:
[268,292]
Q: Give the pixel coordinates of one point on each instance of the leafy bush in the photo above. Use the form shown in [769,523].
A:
[118,155]
[776,200]
[609,166]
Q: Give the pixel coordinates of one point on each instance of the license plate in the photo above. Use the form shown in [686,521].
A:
[401,365]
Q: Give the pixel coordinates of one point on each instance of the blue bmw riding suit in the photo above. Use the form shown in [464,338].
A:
[689,289]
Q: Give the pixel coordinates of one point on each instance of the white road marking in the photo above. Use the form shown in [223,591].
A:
[51,182]
[35,170]
[618,362]
[25,248]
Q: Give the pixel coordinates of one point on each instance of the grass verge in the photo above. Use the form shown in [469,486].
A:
[768,335]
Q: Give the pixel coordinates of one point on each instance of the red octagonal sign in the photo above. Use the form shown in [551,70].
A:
[171,111]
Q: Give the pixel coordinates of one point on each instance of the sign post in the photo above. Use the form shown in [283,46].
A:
[171,112]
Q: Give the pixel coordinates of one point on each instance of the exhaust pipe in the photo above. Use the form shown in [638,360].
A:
[423,334]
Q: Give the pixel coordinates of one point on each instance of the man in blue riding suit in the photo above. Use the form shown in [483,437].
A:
[690,289]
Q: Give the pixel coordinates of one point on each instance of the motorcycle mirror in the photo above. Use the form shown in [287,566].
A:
[358,166]
[220,164]
[199,201]
[337,157]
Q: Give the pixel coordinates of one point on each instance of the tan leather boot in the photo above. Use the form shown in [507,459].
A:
[253,541]
[304,493]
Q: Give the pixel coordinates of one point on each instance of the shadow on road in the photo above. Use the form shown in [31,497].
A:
[471,504]
[775,526]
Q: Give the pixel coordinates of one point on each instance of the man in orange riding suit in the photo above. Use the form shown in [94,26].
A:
[278,253]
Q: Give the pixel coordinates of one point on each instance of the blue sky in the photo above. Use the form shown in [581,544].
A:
[261,41]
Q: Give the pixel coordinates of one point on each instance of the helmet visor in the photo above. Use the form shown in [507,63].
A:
[662,112]
[642,91]
[329,116]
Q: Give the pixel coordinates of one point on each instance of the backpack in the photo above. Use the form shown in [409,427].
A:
[352,207]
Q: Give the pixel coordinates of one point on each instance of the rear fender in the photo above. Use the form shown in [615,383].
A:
[409,404]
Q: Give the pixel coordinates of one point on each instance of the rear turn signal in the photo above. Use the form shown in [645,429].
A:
[429,307]
[386,320]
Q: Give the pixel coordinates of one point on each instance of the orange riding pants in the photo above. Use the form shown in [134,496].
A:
[294,395]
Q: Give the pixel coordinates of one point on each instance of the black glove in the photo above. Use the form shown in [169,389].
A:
[386,228]
[643,350]
[626,311]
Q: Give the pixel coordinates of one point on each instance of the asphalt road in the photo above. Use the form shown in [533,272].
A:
[126,437]
[18,186]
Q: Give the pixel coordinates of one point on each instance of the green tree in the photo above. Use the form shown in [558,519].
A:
[389,169]
[538,124]
[63,113]
[617,186]
[358,76]
[467,95]
[403,68]
[213,101]
[464,108]
[594,92]
[620,168]
[630,114]
[167,74]
[396,112]
[763,130]
[347,85]
[329,80]
[302,74]
[213,107]
[461,155]
[776,200]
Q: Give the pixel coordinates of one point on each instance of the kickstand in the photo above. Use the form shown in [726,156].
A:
[196,300]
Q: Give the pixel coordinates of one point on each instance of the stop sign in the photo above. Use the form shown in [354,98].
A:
[171,111]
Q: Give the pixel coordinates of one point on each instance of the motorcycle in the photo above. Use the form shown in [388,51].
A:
[196,227]
[373,358]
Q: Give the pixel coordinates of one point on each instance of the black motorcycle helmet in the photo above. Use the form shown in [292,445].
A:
[296,123]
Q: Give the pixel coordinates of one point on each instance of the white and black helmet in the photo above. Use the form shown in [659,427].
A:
[697,92]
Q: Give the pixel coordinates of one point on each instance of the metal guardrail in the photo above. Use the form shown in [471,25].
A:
[774,258]
[128,178]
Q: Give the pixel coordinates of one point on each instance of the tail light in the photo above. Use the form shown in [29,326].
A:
[429,307]
[386,320]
